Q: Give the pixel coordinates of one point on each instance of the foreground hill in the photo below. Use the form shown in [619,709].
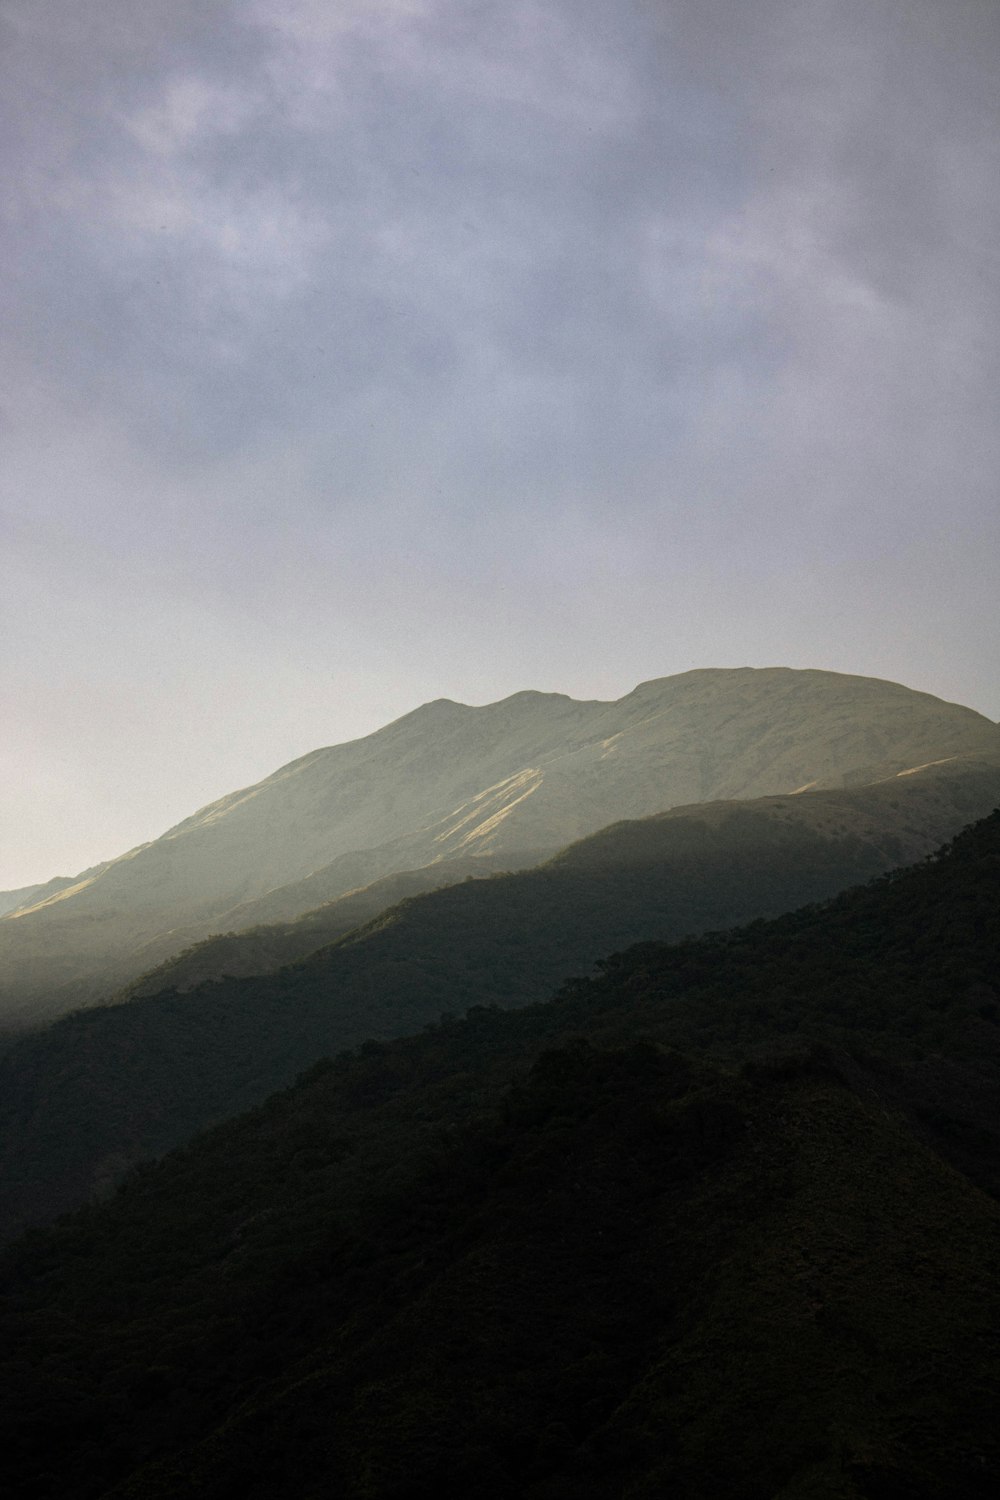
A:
[533,772]
[544,1253]
[101,1089]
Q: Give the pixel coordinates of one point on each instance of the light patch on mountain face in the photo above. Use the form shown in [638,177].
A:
[483,831]
[523,783]
[71,890]
[912,771]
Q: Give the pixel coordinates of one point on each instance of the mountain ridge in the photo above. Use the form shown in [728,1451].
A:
[101,1088]
[936,802]
[534,770]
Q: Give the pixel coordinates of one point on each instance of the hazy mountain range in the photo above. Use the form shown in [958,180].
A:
[596,1205]
[510,780]
[213,1029]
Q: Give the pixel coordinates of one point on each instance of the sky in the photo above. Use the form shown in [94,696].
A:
[362,352]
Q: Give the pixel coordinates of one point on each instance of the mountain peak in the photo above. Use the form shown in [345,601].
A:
[534,770]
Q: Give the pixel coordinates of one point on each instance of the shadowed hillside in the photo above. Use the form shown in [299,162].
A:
[261,950]
[101,1089]
[545,1253]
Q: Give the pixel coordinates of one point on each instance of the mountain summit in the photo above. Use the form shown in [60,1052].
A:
[513,779]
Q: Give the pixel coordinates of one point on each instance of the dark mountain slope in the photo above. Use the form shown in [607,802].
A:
[531,1254]
[105,1087]
[102,1089]
[263,949]
[535,771]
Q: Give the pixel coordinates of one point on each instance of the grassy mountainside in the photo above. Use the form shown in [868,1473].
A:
[534,771]
[545,1253]
[28,895]
[32,895]
[99,1090]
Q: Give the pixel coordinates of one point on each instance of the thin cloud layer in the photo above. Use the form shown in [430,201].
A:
[427,346]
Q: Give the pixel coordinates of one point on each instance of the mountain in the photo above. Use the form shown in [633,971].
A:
[14,902]
[11,900]
[721,1222]
[898,820]
[99,1090]
[530,773]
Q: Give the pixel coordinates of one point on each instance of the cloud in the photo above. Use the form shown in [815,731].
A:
[524,54]
[501,213]
[189,110]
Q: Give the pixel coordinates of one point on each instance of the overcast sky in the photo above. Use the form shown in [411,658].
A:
[362,352]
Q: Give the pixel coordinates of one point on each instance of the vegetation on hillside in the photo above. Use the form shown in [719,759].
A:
[711,1224]
[101,1089]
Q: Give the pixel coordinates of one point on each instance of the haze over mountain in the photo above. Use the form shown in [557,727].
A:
[895,821]
[529,773]
[86,1098]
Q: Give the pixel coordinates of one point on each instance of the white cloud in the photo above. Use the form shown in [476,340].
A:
[781,252]
[522,54]
[311,45]
[312,23]
[261,241]
[190,110]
